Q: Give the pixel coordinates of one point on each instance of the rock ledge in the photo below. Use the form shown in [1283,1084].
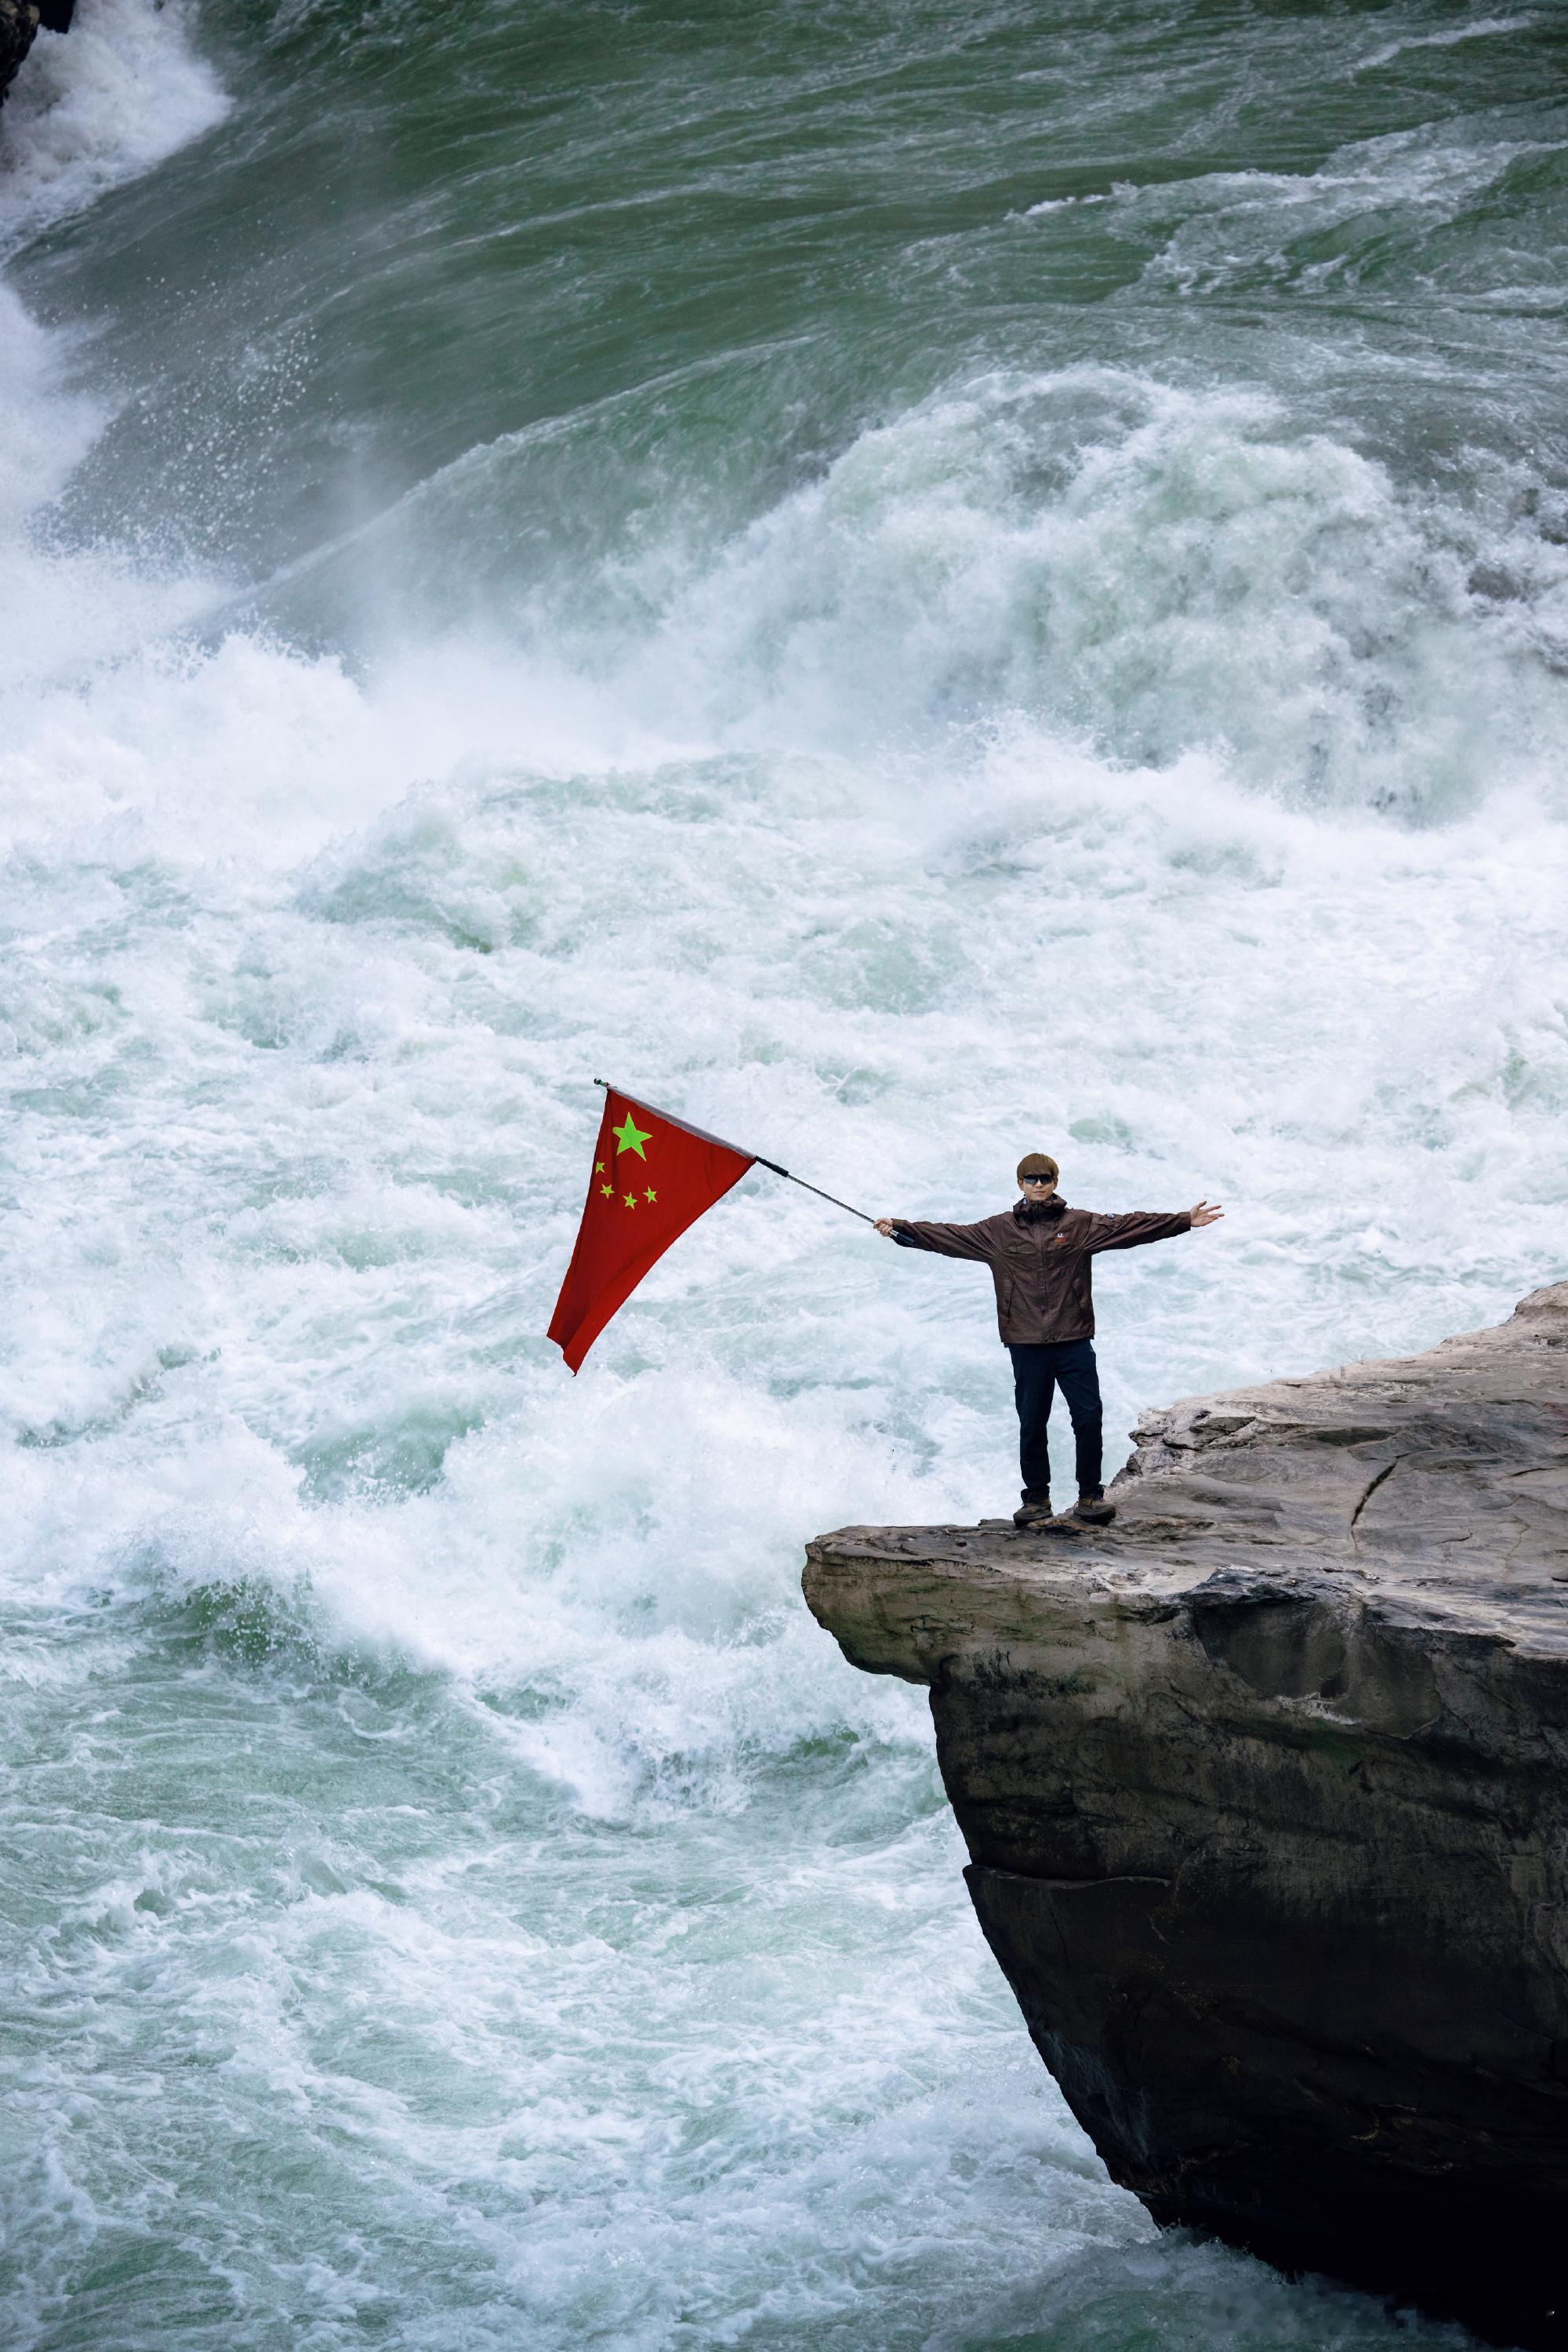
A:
[1266,1791]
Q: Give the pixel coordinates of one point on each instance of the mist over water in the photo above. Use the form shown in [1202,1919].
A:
[908,584]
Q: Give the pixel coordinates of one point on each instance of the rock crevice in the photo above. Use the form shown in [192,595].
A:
[1265,1793]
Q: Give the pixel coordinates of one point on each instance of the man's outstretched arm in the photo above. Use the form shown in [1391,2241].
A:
[947,1241]
[1139,1226]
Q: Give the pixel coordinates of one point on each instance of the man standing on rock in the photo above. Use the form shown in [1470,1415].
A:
[1039,1252]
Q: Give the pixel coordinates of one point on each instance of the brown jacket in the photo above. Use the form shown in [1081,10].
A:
[1039,1260]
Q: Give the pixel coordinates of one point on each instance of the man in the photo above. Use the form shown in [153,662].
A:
[1040,1252]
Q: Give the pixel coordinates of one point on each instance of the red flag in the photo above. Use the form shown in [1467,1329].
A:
[653,1176]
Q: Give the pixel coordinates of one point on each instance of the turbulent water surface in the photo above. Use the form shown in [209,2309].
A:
[910,582]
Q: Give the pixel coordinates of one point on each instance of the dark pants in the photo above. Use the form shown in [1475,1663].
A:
[1036,1374]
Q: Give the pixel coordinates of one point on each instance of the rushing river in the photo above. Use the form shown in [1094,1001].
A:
[909,581]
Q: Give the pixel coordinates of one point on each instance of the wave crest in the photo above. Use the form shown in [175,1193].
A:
[1150,571]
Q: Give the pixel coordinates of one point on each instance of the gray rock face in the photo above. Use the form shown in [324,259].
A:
[1265,1788]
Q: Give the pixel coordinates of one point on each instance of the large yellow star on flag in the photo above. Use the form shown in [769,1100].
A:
[631,1137]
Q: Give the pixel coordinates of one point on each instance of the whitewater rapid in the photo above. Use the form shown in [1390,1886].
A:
[464,1900]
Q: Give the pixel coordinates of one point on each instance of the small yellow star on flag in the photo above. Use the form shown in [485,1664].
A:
[631,1199]
[606,1190]
[649,1193]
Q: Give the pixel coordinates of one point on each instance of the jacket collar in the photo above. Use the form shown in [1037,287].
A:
[1039,1213]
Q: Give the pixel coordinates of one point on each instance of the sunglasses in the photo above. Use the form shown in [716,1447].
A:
[1036,1180]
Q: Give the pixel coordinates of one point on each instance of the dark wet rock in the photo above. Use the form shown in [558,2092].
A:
[19,23]
[1266,1791]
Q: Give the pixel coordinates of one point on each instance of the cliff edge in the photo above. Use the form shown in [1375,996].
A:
[1266,1794]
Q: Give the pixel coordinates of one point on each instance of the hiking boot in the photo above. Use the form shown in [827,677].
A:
[1033,1511]
[1094,1510]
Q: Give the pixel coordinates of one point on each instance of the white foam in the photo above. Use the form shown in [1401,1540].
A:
[101,105]
[418,916]
[1059,204]
[1482,28]
[1155,602]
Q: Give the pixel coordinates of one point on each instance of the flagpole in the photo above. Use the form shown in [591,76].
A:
[805,1187]
[771,1164]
